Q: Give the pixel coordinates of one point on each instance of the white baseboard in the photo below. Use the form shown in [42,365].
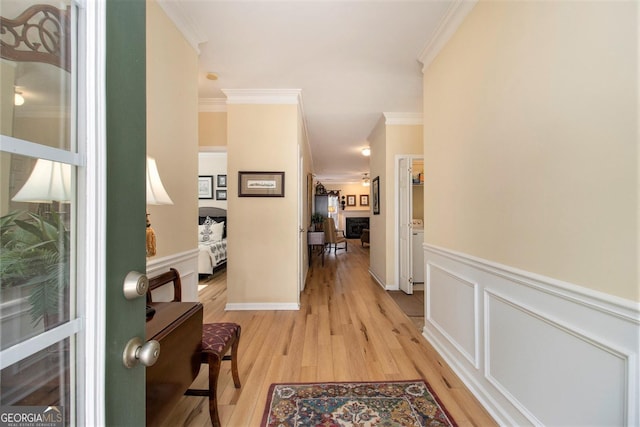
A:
[187,265]
[532,349]
[383,285]
[261,306]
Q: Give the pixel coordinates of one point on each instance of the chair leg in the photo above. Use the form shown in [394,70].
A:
[234,360]
[214,371]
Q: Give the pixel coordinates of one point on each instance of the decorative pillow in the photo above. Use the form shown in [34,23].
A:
[205,231]
[217,229]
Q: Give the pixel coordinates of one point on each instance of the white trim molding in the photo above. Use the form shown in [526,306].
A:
[212,105]
[379,281]
[532,349]
[406,119]
[187,265]
[458,10]
[460,327]
[263,96]
[212,149]
[184,22]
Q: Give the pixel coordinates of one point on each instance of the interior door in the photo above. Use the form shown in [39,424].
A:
[125,204]
[405,252]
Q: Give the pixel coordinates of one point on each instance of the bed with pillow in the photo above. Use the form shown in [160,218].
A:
[212,239]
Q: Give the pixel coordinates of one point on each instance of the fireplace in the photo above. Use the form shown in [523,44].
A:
[354,226]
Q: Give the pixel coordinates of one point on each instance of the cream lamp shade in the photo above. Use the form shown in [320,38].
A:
[49,181]
[156,194]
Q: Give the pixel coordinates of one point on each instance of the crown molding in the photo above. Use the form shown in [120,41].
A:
[185,24]
[263,96]
[212,105]
[458,10]
[403,118]
[213,150]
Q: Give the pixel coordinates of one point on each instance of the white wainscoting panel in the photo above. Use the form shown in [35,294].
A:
[187,265]
[532,349]
[458,321]
[522,366]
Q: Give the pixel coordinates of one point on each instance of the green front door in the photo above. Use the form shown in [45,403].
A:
[125,204]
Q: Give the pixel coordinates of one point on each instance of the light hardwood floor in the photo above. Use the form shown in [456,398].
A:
[347,329]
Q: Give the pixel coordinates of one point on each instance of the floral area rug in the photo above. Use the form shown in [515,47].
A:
[358,404]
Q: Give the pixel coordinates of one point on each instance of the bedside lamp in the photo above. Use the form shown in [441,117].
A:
[156,195]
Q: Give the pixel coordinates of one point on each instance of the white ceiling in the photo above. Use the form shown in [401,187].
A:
[353,61]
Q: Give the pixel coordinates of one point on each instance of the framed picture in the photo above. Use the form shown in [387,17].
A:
[375,194]
[364,200]
[222,182]
[221,194]
[205,187]
[260,184]
[351,200]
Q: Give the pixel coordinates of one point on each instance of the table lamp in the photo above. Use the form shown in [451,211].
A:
[156,195]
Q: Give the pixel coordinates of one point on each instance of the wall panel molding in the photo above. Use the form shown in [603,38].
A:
[187,265]
[450,320]
[548,352]
[578,346]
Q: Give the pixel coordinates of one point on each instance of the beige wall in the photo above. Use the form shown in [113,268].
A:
[387,140]
[212,129]
[307,193]
[531,141]
[400,139]
[172,130]
[263,243]
[377,223]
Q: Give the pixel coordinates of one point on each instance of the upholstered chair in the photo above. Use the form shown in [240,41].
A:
[364,237]
[331,236]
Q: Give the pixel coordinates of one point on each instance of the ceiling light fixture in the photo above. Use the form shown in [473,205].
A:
[366,151]
[365,180]
[212,76]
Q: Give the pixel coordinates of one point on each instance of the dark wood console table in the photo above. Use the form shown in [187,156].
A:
[178,328]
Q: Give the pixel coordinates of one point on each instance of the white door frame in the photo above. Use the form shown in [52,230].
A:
[88,259]
[92,213]
[396,237]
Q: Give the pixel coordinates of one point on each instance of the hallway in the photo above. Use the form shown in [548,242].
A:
[348,329]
